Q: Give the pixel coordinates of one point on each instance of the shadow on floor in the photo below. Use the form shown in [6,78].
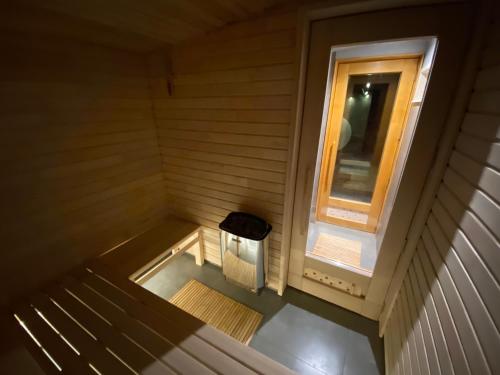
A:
[306,334]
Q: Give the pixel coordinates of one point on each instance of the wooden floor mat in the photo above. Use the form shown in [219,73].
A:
[338,249]
[221,312]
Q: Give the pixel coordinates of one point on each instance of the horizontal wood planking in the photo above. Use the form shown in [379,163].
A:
[237,60]
[224,131]
[81,164]
[250,128]
[240,102]
[274,73]
[223,115]
[238,161]
[232,150]
[282,36]
[454,279]
[25,18]
[143,26]
[239,193]
[267,141]
[230,198]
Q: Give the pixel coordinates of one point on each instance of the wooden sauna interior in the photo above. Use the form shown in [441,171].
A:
[133,124]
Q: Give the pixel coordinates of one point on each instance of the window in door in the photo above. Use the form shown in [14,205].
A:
[369,105]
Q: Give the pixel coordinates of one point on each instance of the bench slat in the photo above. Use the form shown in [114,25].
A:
[50,341]
[161,349]
[20,354]
[127,351]
[92,349]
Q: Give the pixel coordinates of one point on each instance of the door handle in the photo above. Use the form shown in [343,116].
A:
[328,163]
[305,219]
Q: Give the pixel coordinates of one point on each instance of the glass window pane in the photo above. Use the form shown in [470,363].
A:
[367,112]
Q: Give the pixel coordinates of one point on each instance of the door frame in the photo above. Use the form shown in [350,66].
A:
[372,304]
[307,14]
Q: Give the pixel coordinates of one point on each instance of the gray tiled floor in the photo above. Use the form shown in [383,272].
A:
[304,333]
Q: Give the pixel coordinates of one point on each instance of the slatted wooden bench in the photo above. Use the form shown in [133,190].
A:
[141,257]
[98,320]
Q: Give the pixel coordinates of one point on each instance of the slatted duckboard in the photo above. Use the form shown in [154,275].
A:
[221,312]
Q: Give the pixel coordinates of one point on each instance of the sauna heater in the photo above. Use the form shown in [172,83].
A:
[244,250]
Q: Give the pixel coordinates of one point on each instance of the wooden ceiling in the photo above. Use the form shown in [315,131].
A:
[134,24]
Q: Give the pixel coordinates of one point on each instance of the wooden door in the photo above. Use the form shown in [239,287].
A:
[367,114]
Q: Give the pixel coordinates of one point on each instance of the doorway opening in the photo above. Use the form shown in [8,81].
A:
[372,101]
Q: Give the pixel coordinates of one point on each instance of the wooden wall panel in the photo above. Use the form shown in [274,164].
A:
[81,168]
[224,130]
[139,25]
[452,286]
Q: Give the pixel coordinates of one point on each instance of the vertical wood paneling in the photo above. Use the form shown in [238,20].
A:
[430,346]
[442,347]
[413,354]
[417,330]
[455,273]
[224,130]
[465,332]
[81,169]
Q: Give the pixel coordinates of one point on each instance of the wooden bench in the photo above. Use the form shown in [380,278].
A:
[97,319]
[143,256]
